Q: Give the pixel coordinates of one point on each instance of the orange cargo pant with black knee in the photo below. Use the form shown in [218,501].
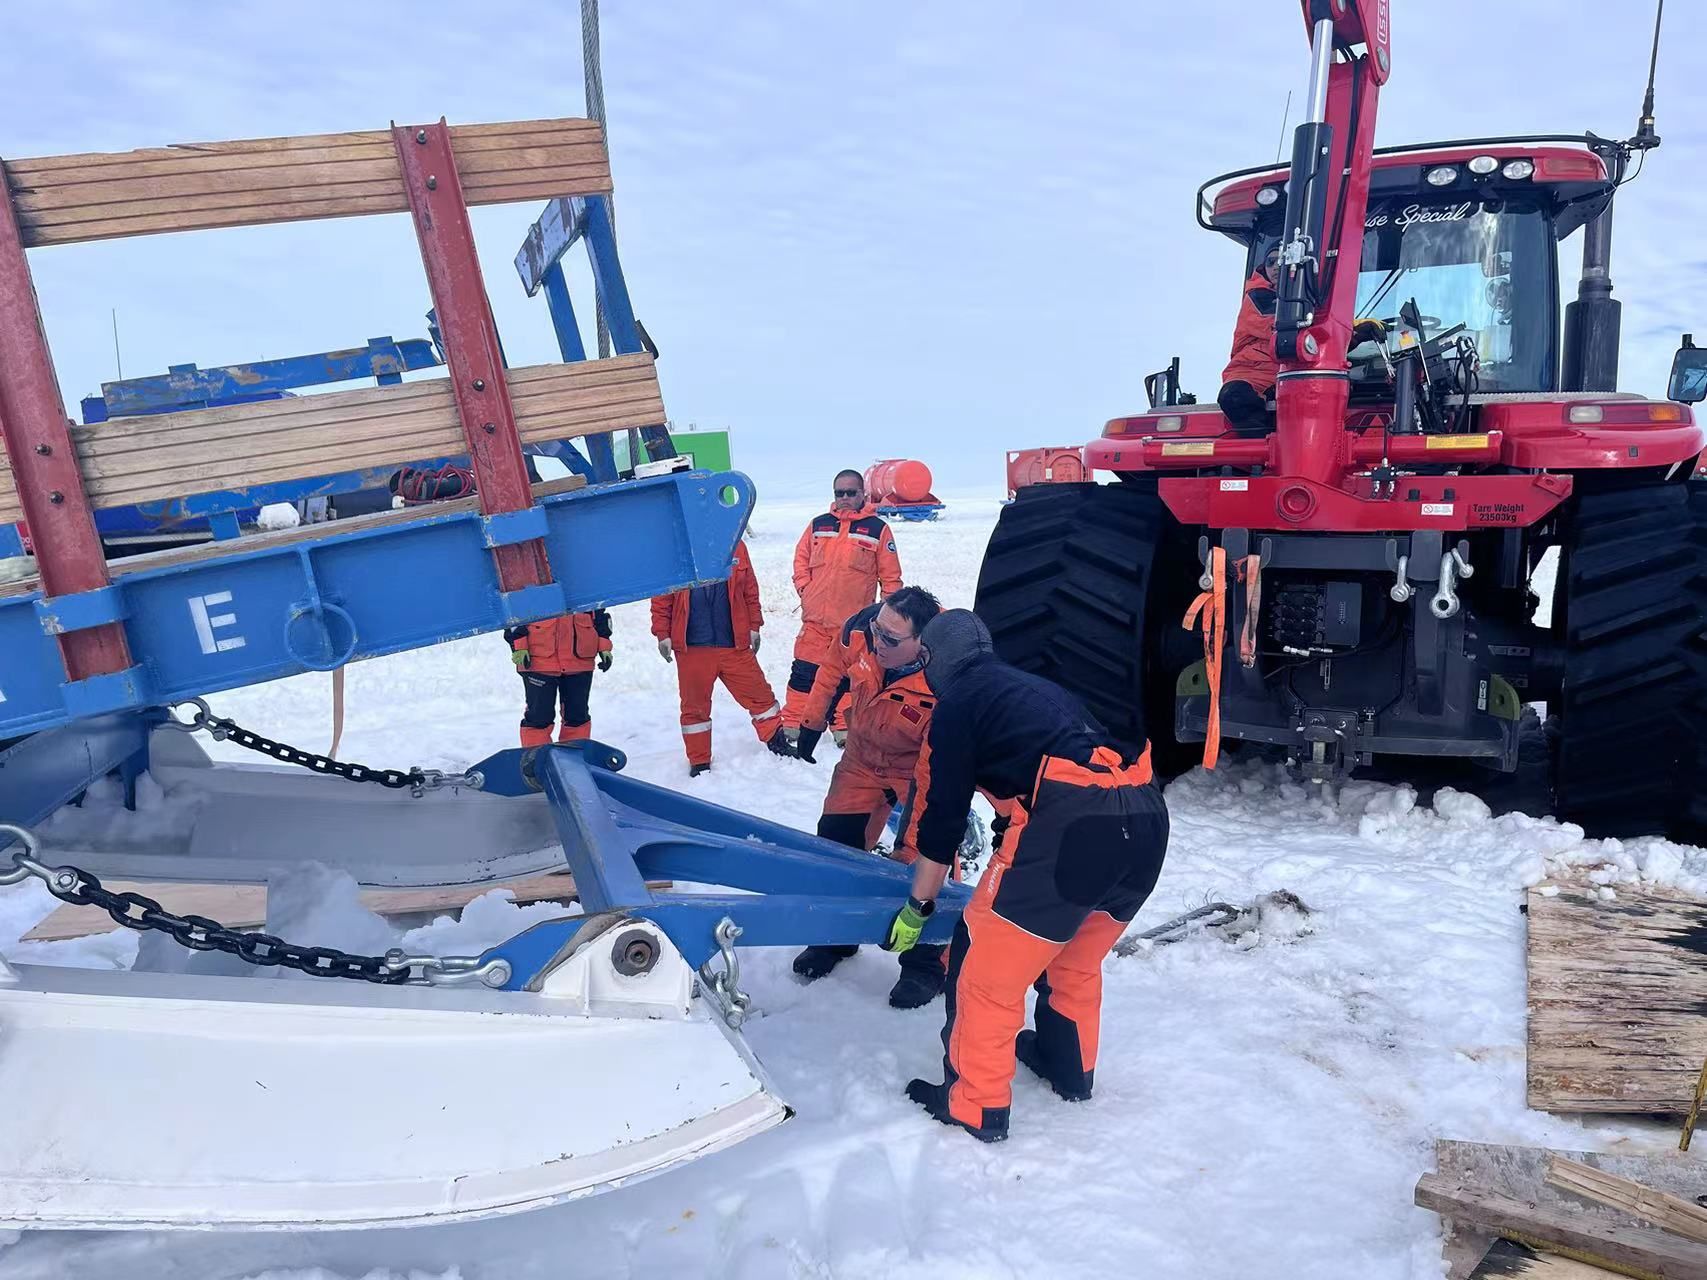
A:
[555,659]
[1080,856]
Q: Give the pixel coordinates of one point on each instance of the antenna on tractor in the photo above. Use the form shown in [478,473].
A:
[1287,115]
[1646,139]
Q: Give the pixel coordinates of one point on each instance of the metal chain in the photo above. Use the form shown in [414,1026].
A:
[416,780]
[199,933]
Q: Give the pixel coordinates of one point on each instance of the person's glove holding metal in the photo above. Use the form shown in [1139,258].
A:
[520,656]
[907,924]
[753,640]
[606,657]
[665,648]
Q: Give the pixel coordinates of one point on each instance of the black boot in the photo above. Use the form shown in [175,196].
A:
[814,962]
[918,984]
[694,770]
[1028,1051]
[934,1099]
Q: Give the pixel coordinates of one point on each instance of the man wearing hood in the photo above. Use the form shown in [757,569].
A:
[1087,831]
[841,563]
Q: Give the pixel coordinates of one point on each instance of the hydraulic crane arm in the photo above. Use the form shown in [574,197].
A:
[1327,194]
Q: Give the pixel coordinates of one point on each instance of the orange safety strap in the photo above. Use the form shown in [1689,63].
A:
[1250,571]
[337,710]
[1209,611]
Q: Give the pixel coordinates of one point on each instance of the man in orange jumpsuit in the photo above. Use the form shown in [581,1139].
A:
[555,658]
[842,561]
[712,633]
[875,667]
[1087,831]
[1248,380]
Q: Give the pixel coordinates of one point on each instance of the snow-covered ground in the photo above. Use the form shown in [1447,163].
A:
[1260,1112]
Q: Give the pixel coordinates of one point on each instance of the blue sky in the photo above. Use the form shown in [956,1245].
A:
[939,230]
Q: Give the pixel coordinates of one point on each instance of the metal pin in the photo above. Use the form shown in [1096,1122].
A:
[488,428]
[56,497]
[480,384]
[432,183]
[421,137]
[44,449]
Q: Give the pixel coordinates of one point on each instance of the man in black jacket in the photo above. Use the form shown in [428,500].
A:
[1087,831]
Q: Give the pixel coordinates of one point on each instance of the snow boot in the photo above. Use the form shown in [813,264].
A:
[815,962]
[916,987]
[694,770]
[934,1099]
[1028,1051]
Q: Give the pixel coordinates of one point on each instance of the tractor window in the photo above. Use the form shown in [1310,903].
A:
[1488,266]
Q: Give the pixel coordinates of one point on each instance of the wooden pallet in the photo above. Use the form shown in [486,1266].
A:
[1617,1001]
[1485,1190]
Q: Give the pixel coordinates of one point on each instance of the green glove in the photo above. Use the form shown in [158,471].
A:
[907,924]
[605,660]
[520,656]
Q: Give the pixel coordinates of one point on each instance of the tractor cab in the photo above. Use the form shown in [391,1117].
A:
[1466,235]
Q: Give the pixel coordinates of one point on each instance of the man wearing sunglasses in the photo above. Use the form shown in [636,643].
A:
[1247,382]
[843,561]
[874,668]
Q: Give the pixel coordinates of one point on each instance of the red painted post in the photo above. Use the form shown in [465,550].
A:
[470,339]
[44,463]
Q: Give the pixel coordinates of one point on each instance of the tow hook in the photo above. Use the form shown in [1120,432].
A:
[1401,590]
[1454,564]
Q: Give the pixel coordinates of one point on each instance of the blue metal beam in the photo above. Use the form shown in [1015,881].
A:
[618,833]
[276,606]
[184,386]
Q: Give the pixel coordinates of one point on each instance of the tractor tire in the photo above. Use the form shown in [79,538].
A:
[1087,585]
[1630,608]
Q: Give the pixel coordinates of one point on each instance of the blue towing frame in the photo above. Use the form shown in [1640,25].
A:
[96,653]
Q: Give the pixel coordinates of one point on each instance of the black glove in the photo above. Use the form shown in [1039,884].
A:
[807,744]
[605,660]
[779,745]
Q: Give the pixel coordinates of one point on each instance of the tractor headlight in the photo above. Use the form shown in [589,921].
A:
[1518,169]
[1268,195]
[1443,175]
[1483,165]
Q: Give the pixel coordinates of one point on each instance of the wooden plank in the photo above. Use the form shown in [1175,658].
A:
[198,186]
[1617,993]
[1506,1260]
[1671,1213]
[1635,1251]
[199,551]
[1519,1174]
[215,450]
[244,906]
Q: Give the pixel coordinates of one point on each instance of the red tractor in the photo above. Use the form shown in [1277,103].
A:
[1361,570]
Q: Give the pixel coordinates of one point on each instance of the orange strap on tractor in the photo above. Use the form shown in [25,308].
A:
[1250,572]
[1209,611]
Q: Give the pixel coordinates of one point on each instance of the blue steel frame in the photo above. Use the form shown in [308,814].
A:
[276,606]
[565,221]
[619,832]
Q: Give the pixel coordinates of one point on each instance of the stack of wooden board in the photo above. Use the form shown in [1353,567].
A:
[1527,1211]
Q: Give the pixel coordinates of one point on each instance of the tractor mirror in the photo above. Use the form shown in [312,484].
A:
[1688,374]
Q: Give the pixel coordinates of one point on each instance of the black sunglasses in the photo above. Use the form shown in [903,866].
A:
[885,639]
[847,493]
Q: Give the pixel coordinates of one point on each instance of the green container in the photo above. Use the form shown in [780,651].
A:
[708,449]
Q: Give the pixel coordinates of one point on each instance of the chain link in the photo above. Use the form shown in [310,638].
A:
[417,780]
[199,933]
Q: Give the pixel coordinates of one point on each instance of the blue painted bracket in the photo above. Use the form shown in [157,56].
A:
[618,833]
[183,386]
[46,770]
[564,222]
[276,605]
